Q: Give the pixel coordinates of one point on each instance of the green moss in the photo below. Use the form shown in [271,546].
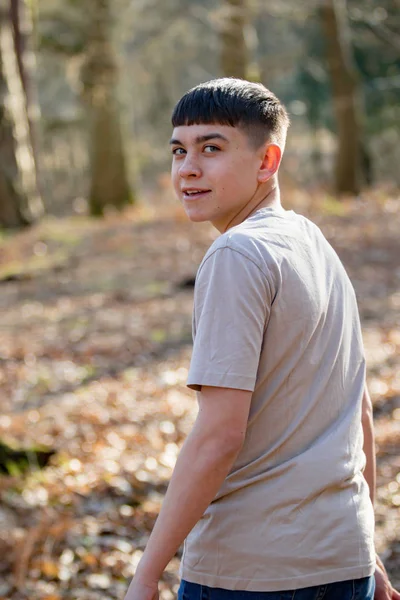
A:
[158,335]
[30,266]
[331,206]
[5,235]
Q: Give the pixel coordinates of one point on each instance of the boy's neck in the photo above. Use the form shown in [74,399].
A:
[266,196]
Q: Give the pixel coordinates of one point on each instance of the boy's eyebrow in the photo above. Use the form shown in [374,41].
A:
[202,138]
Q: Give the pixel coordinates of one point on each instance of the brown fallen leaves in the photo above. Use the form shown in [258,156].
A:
[94,351]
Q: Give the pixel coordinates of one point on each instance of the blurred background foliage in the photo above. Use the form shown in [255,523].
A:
[87,89]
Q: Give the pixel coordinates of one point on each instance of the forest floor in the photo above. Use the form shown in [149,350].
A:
[95,343]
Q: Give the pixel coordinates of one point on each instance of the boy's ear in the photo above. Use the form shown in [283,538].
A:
[272,155]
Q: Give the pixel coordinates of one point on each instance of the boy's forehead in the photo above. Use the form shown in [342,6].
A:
[195,132]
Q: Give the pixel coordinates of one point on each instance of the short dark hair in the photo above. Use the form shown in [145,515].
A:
[238,103]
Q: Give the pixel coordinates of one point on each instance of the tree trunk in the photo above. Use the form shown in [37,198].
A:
[346,101]
[22,27]
[20,202]
[109,185]
[234,55]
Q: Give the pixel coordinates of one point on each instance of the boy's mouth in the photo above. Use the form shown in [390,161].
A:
[194,192]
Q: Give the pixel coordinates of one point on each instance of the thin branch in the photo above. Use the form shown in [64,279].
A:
[384,34]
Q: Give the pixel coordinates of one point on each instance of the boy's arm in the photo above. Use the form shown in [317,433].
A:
[203,463]
[369,443]
[384,589]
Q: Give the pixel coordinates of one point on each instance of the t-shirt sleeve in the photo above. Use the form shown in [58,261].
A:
[231,310]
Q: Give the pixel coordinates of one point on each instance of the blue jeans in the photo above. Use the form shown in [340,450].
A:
[354,589]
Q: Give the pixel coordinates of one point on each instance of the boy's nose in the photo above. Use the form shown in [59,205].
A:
[189,168]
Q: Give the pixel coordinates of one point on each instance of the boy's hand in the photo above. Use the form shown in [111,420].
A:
[383,587]
[142,590]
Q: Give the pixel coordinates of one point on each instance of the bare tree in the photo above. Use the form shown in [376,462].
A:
[346,98]
[22,27]
[20,201]
[234,55]
[109,184]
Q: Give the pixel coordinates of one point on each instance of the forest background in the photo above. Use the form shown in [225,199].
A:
[97,260]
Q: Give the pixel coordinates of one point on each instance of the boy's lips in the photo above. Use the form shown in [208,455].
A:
[193,192]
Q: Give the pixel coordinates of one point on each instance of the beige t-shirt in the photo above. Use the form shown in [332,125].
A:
[275,313]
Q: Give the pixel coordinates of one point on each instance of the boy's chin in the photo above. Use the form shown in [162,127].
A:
[196,217]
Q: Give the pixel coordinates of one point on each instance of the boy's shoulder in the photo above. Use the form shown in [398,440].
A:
[239,241]
[257,238]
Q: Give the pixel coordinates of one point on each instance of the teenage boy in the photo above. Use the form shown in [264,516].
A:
[272,491]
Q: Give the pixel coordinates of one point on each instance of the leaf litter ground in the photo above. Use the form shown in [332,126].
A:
[95,332]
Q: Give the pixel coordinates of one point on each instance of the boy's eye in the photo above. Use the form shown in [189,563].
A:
[178,151]
[209,149]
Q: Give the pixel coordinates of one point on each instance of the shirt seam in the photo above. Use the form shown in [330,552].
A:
[228,247]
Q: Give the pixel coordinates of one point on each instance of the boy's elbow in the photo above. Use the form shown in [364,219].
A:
[224,445]
[235,440]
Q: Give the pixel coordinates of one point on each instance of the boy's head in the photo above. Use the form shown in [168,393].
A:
[238,103]
[227,143]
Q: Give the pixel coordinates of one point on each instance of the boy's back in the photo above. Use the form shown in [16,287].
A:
[275,313]
[268,488]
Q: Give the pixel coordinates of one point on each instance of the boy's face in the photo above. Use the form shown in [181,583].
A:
[214,171]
